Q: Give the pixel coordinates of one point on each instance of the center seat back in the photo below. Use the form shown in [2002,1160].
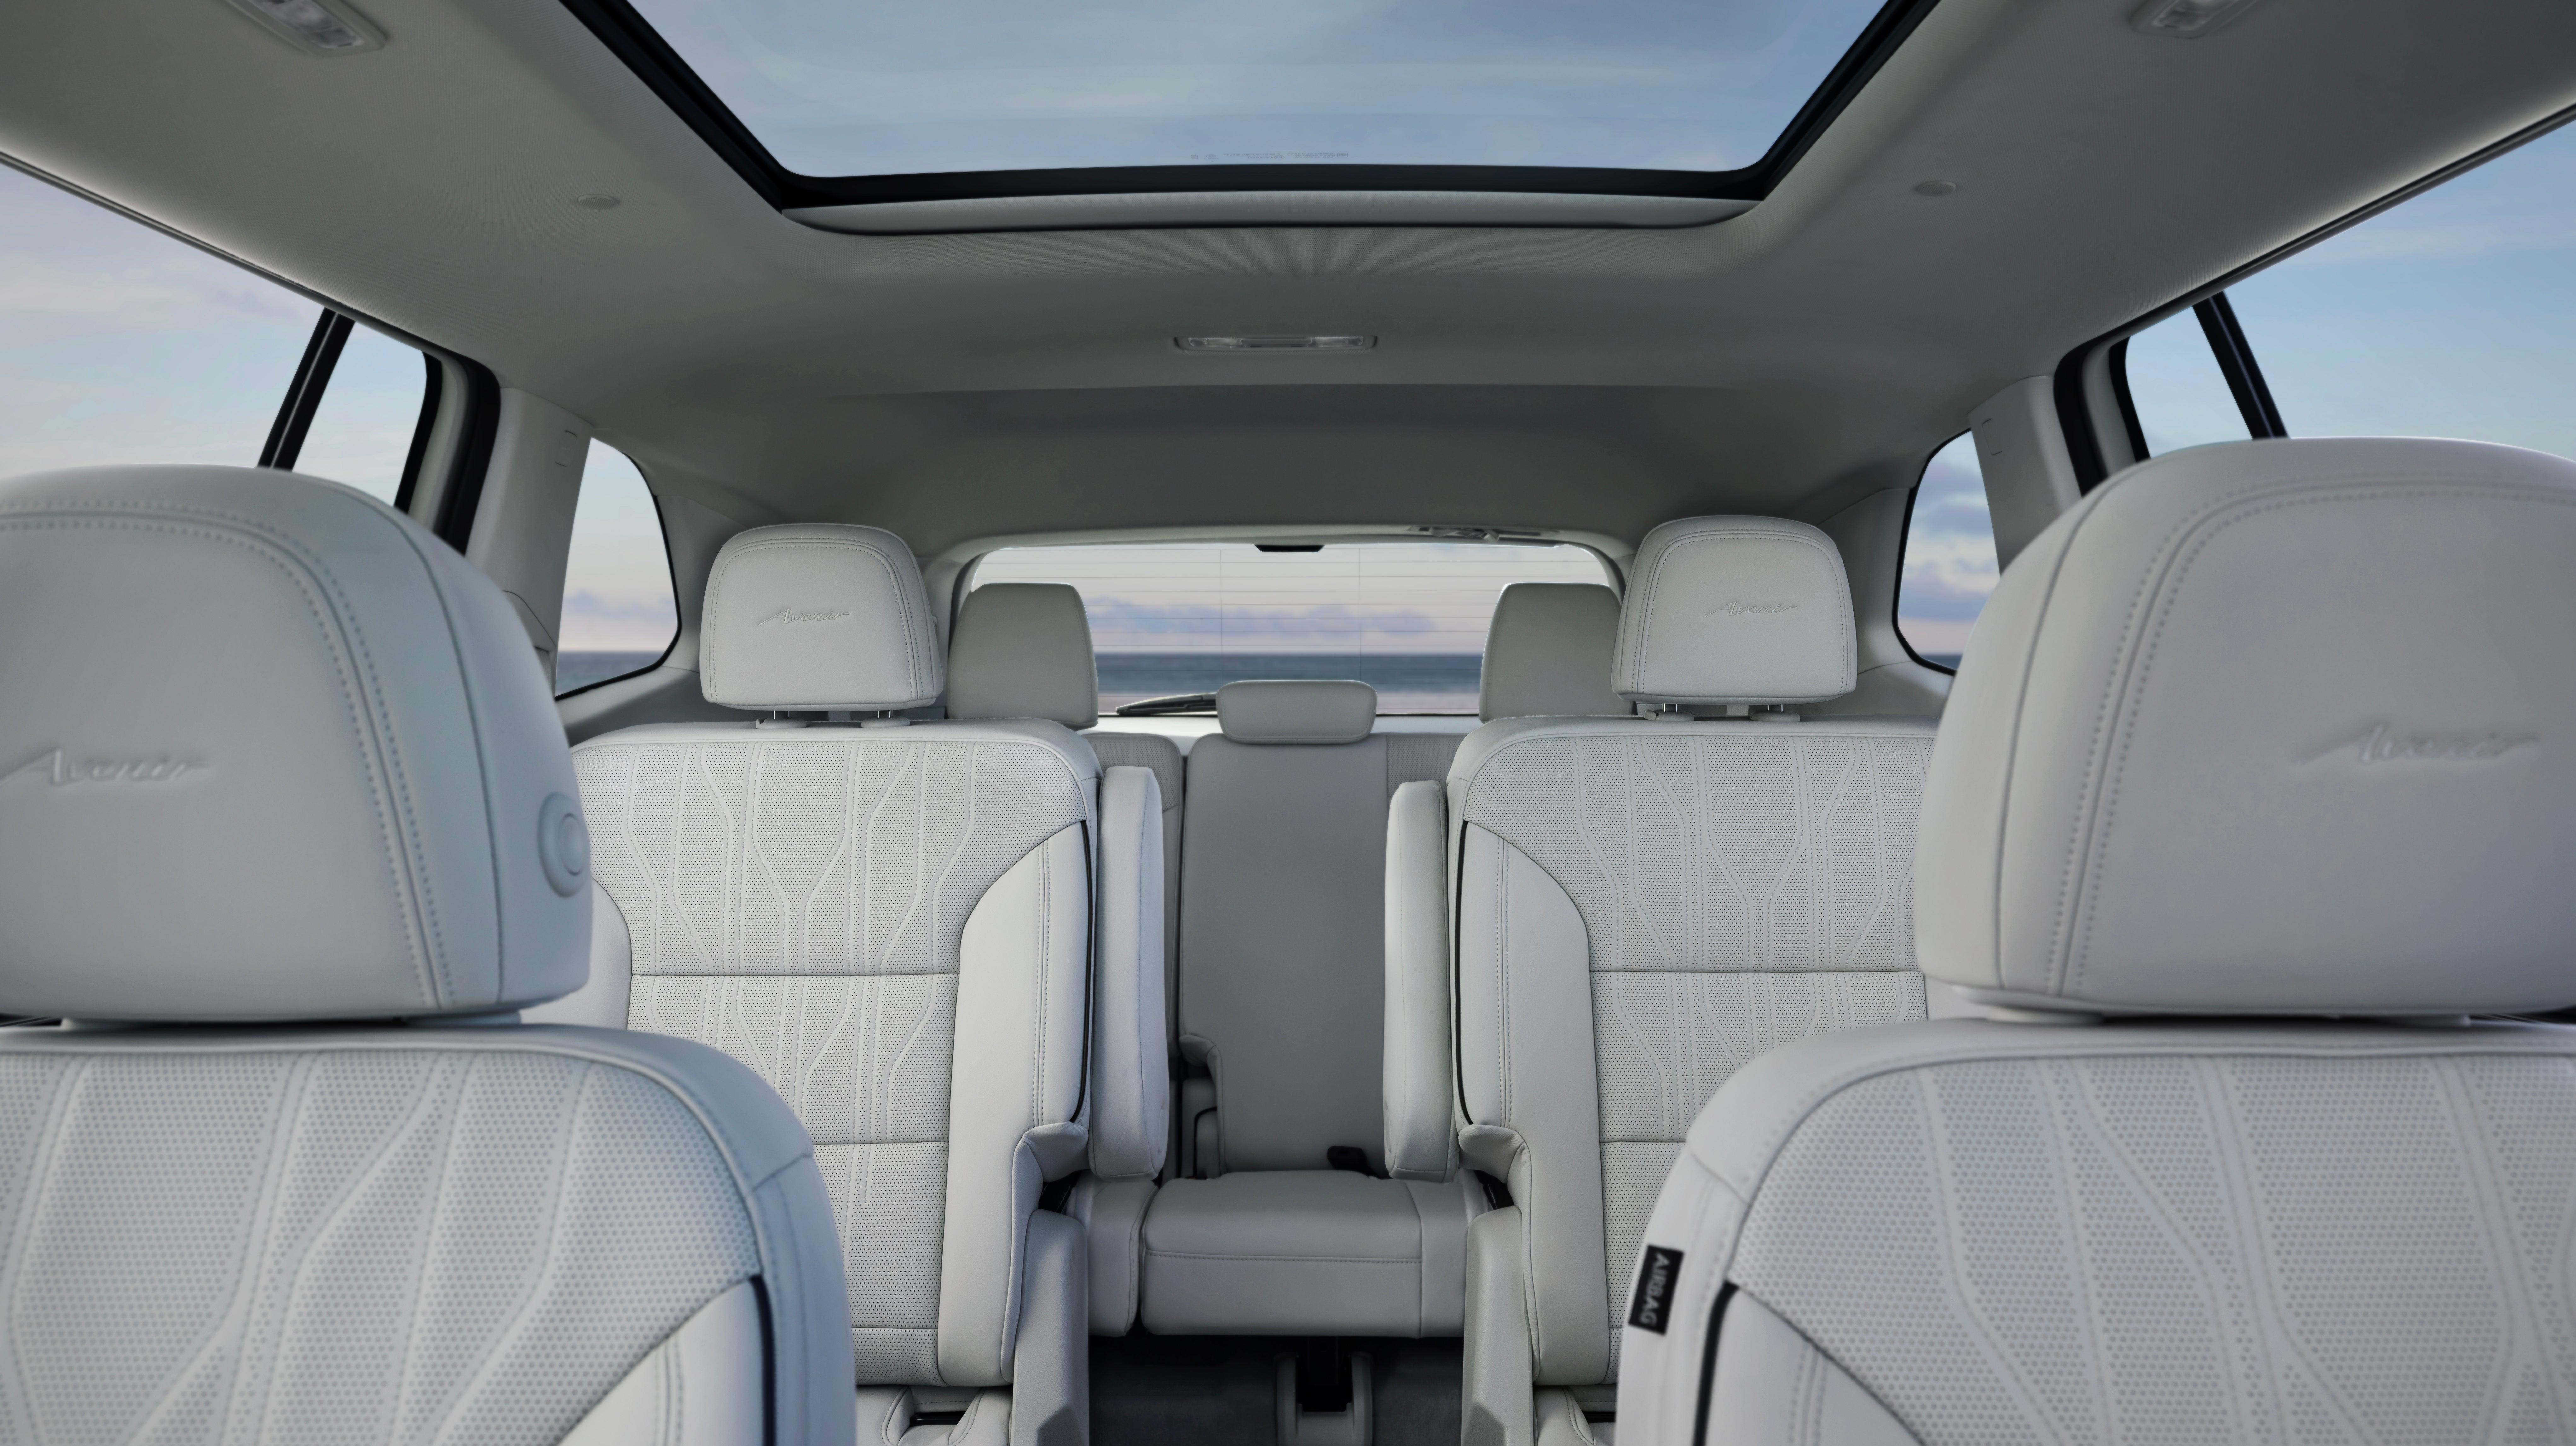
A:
[1281,998]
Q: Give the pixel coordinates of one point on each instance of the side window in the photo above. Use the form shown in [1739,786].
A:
[2443,316]
[119,344]
[2176,392]
[1949,566]
[370,411]
[619,610]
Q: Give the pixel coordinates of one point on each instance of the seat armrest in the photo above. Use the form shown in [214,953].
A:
[1131,1077]
[1421,1142]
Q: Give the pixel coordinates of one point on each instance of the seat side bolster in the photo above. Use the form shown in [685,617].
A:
[1421,1141]
[1498,1405]
[1022,987]
[1131,1082]
[1773,1387]
[700,1387]
[1525,1038]
[601,1001]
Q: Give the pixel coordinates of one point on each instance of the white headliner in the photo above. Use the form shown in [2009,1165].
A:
[952,386]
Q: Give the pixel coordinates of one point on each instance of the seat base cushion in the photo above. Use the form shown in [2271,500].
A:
[1307,1252]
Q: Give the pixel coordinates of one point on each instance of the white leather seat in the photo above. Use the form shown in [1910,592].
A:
[896,924]
[1644,905]
[2274,734]
[1281,981]
[1023,650]
[290,832]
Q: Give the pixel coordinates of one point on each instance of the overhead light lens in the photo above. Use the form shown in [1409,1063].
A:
[2187,19]
[1274,343]
[312,25]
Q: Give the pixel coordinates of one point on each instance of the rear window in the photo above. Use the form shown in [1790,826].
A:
[1407,618]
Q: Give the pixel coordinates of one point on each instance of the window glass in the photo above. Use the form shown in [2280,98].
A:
[119,344]
[2180,394]
[619,612]
[1408,618]
[907,86]
[1949,555]
[2446,316]
[361,434]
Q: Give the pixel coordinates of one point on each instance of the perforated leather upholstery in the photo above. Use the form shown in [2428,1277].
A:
[1644,906]
[2323,1229]
[353,1229]
[898,927]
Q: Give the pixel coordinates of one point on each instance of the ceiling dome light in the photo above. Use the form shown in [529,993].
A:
[316,27]
[1274,343]
[2186,19]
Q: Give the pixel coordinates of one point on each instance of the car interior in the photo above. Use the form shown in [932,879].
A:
[1330,723]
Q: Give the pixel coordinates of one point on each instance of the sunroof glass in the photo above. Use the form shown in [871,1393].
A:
[903,87]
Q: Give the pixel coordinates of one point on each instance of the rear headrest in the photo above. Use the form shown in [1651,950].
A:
[1023,650]
[272,752]
[1547,653]
[2270,727]
[1736,610]
[817,616]
[1296,712]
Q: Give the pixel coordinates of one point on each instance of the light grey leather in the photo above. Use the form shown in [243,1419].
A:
[1644,906]
[1051,1359]
[1152,750]
[1772,1387]
[1283,938]
[1112,1213]
[892,926]
[1498,1406]
[702,1386]
[2222,1229]
[1306,1252]
[1023,650]
[1526,1060]
[1548,652]
[1296,711]
[600,1003]
[271,752]
[1736,610]
[818,616]
[1561,1421]
[1130,1110]
[2197,760]
[1420,1077]
[327,1230]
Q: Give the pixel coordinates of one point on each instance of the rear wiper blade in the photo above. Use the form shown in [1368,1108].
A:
[1176,703]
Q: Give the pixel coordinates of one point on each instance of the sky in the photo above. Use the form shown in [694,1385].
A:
[901,86]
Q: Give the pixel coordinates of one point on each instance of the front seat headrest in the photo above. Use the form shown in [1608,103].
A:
[2270,728]
[1023,650]
[818,616]
[1736,610]
[272,752]
[1547,653]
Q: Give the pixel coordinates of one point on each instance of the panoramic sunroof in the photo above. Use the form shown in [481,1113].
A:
[841,91]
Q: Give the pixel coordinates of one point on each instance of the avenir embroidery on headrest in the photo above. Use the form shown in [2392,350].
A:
[58,771]
[2382,744]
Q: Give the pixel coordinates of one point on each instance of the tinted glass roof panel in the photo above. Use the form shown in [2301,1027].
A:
[840,88]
